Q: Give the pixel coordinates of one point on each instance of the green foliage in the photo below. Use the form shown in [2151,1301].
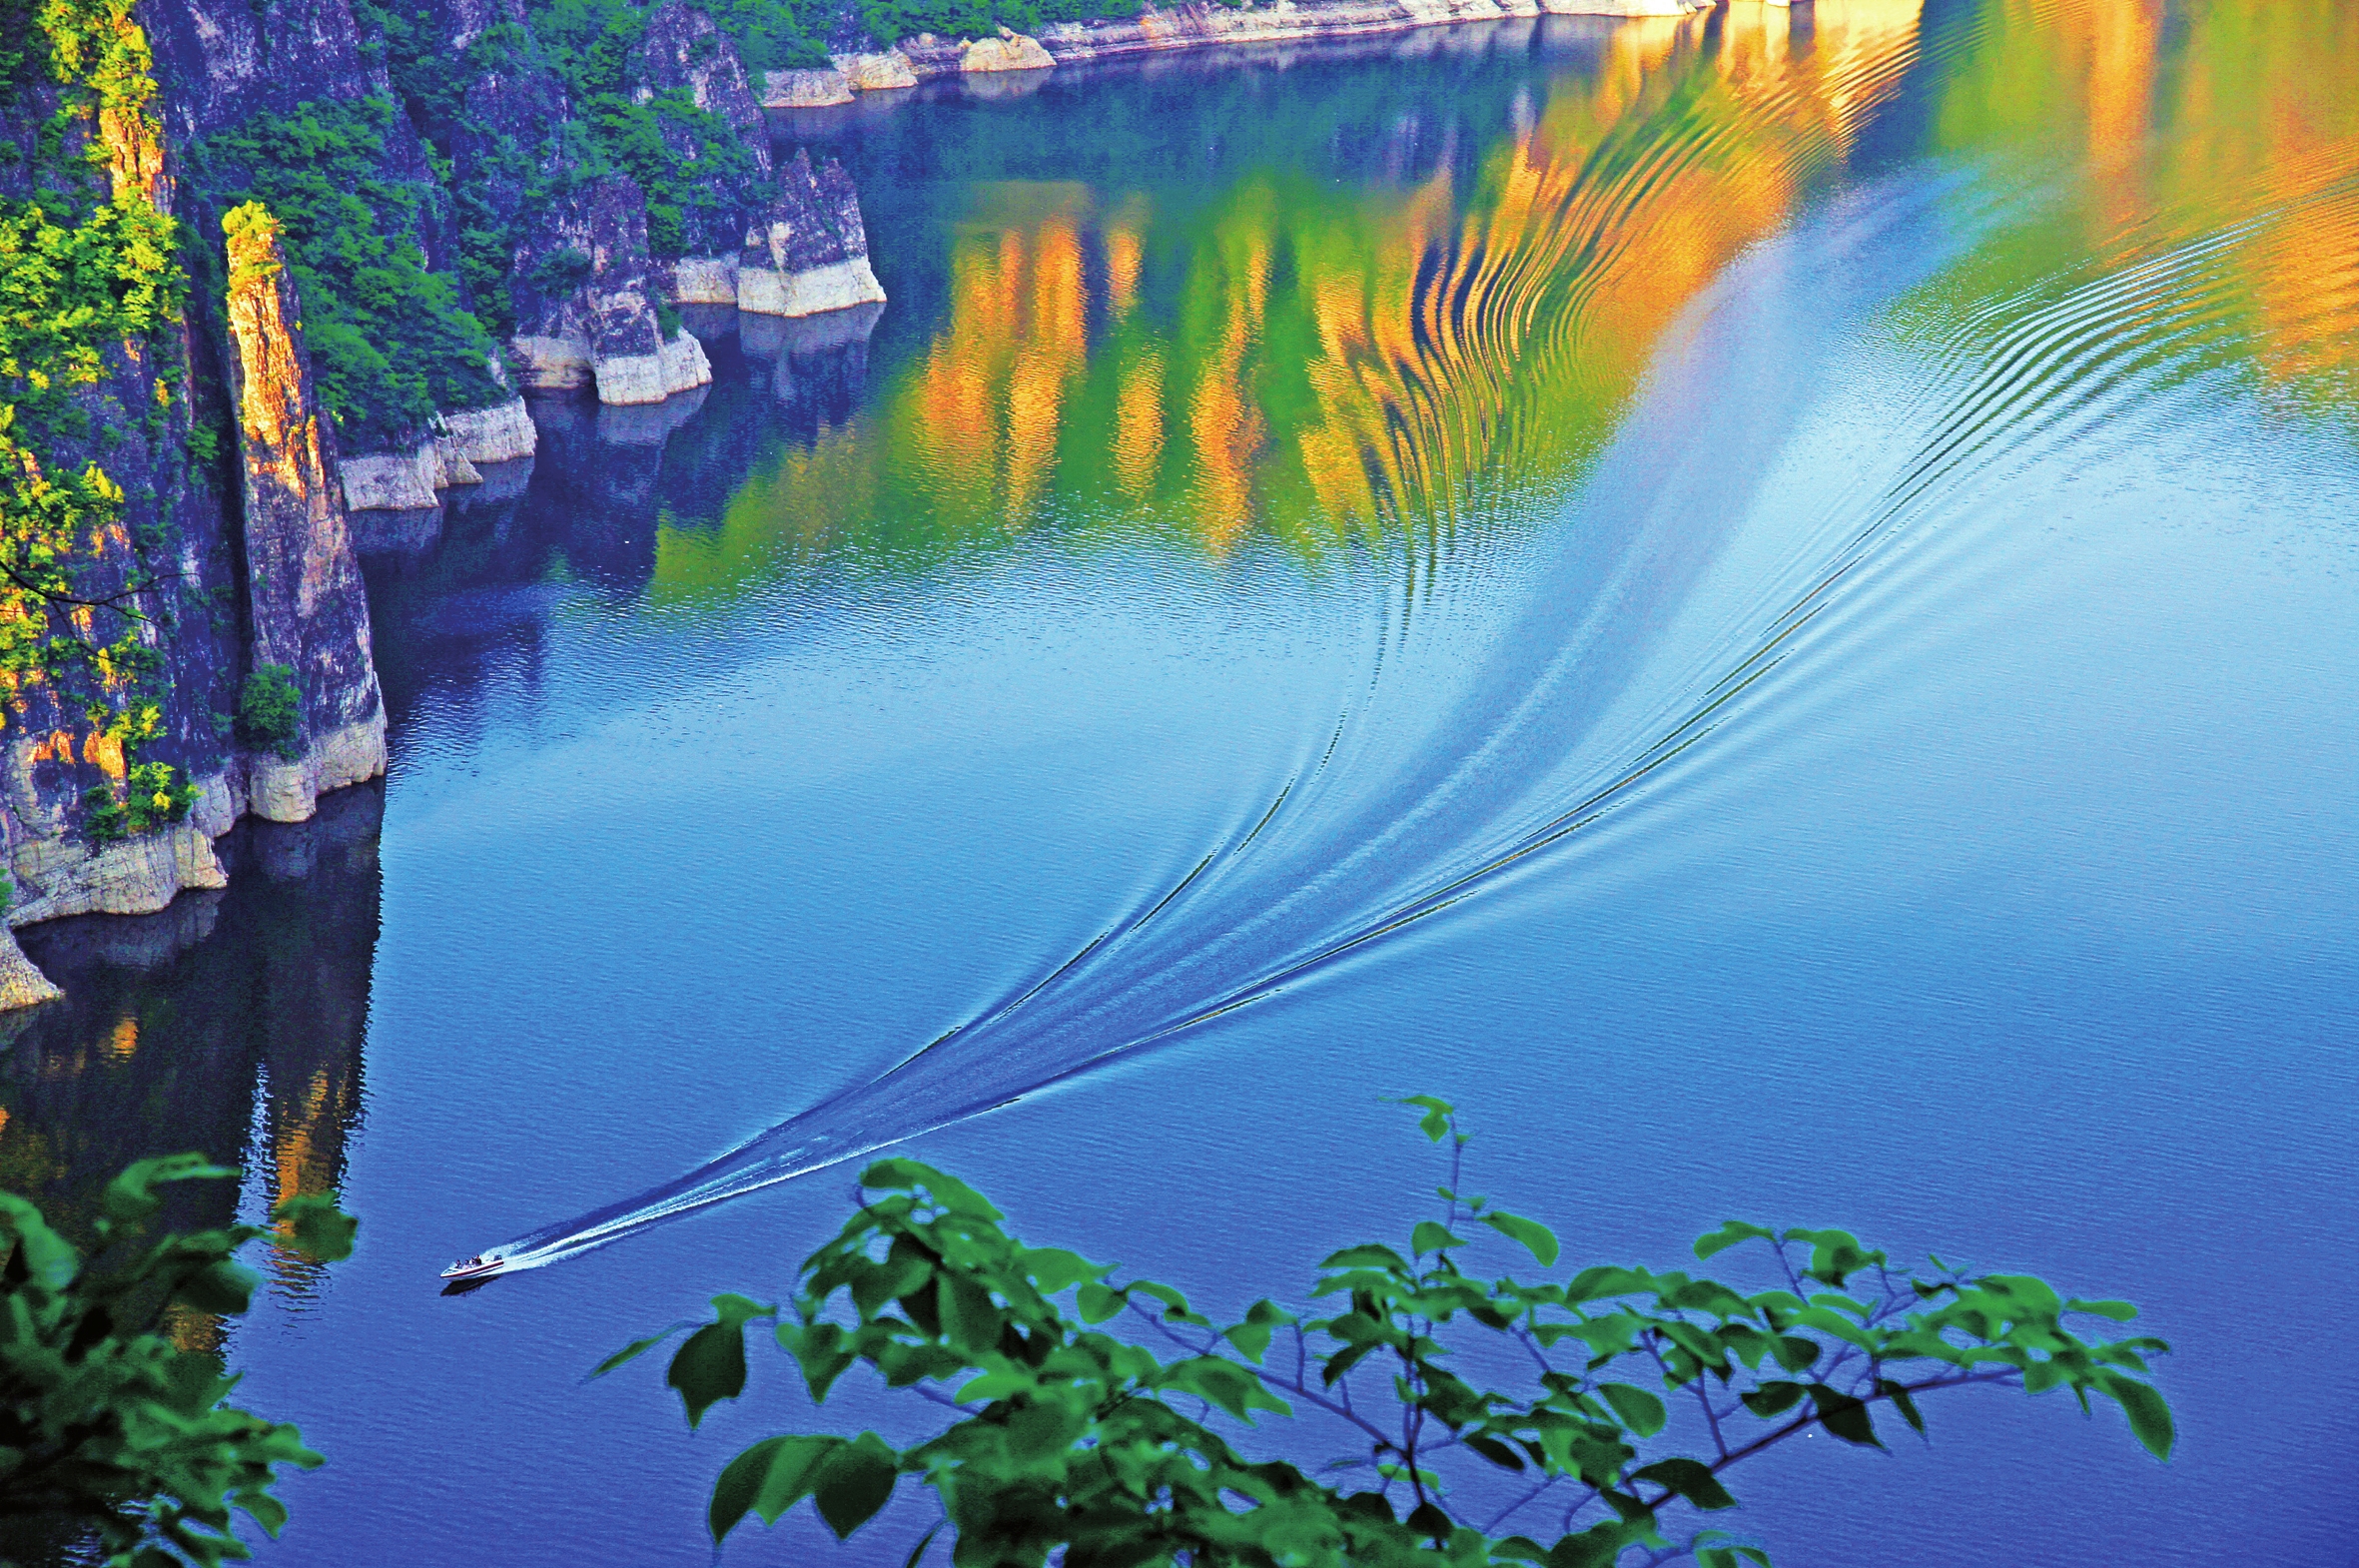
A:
[114,1428]
[390,341]
[1070,1439]
[87,276]
[270,710]
[687,160]
[154,795]
[561,272]
[893,20]
[774,35]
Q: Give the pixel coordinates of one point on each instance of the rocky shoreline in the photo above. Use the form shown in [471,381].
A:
[1202,23]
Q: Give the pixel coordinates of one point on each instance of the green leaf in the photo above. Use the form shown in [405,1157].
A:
[224,1288]
[1368,1255]
[1435,1123]
[1596,1547]
[927,1540]
[1535,1237]
[1431,1237]
[908,1175]
[1225,1384]
[993,1385]
[711,1366]
[768,1478]
[1174,1304]
[2119,1311]
[636,1349]
[1690,1479]
[1098,1302]
[1772,1399]
[48,1257]
[130,1195]
[1051,1269]
[1495,1451]
[970,1320]
[1641,1411]
[1845,1416]
[322,1232]
[2148,1412]
[1731,1233]
[1903,1401]
[855,1482]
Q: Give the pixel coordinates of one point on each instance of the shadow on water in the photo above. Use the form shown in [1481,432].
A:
[230,1022]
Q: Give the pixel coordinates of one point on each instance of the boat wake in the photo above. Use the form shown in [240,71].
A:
[1636,651]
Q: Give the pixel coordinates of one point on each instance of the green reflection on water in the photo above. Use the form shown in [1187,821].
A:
[1317,357]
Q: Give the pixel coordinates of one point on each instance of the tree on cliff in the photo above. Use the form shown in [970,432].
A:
[90,295]
[110,1429]
[1625,1396]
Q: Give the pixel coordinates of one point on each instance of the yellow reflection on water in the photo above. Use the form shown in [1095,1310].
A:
[1315,360]
[1312,360]
[2232,125]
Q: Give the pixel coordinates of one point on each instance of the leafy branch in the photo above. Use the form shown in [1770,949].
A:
[1077,1445]
[106,1423]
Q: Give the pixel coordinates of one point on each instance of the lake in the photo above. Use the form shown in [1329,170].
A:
[1767,602]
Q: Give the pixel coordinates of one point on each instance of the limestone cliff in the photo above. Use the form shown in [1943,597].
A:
[132,611]
[585,297]
[567,199]
[306,608]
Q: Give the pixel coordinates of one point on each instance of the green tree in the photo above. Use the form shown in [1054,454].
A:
[108,1428]
[1642,1389]
[270,710]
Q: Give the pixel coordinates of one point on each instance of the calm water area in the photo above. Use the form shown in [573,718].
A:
[1768,602]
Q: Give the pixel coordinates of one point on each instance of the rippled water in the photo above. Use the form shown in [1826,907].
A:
[1766,601]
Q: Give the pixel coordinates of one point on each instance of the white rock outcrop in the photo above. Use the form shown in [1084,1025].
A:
[1008,52]
[407,481]
[876,73]
[806,89]
[674,366]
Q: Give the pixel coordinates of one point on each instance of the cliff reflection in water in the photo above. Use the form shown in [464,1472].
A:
[230,1022]
[1442,324]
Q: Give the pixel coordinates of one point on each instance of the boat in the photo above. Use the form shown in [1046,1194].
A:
[480,1266]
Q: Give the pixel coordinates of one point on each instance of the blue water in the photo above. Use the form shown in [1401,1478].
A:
[1940,657]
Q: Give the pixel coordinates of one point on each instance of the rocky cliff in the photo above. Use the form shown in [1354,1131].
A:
[175,526]
[289,261]
[307,609]
[543,205]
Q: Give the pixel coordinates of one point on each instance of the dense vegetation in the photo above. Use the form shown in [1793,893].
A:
[890,21]
[394,335]
[390,340]
[113,1429]
[688,161]
[1628,1395]
[87,278]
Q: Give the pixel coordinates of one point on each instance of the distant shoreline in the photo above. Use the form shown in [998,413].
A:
[1179,29]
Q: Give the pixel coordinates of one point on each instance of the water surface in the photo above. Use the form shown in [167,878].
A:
[1766,601]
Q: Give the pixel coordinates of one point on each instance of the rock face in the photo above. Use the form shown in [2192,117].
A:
[876,73]
[682,48]
[222,61]
[807,89]
[407,482]
[209,493]
[809,253]
[309,609]
[584,294]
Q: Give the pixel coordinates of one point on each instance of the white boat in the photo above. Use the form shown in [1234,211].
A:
[480,1266]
